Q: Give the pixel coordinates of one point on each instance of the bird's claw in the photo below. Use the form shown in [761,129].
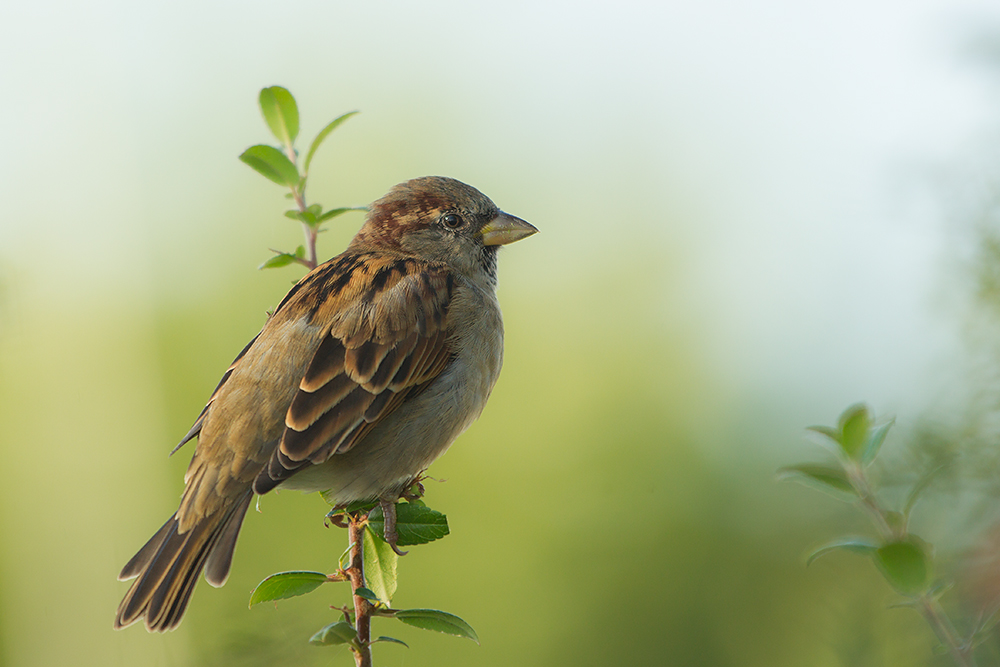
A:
[389,533]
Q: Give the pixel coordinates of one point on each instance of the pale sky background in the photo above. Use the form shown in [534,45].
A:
[788,143]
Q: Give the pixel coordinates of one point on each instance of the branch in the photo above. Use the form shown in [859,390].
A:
[362,608]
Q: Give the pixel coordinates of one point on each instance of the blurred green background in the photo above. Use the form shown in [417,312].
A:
[751,214]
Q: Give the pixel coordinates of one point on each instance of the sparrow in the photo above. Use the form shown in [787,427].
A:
[364,374]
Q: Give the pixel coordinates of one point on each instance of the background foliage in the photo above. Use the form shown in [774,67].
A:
[751,215]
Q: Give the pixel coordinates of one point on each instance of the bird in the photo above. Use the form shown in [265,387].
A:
[365,373]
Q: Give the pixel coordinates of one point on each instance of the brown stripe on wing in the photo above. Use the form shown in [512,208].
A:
[373,359]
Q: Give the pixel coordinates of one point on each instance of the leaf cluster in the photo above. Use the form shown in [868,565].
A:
[281,165]
[416,524]
[905,560]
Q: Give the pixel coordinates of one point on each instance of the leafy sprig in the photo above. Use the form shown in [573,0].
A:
[905,560]
[281,165]
[374,582]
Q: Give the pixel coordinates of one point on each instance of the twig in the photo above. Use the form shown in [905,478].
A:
[928,606]
[300,201]
[362,608]
[960,651]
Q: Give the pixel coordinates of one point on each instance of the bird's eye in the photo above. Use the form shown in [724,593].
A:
[452,220]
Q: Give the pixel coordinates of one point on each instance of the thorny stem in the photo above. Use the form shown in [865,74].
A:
[362,608]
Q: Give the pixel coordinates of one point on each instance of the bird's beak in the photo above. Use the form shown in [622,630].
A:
[505,229]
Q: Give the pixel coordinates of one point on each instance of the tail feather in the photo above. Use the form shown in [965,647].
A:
[221,557]
[140,561]
[168,566]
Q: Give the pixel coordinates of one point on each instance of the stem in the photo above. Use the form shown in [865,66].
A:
[300,201]
[362,608]
[943,628]
[310,233]
[856,475]
[929,606]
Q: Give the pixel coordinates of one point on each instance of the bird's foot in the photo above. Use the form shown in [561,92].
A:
[415,490]
[389,530]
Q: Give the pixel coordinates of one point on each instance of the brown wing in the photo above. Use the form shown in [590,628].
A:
[196,429]
[382,347]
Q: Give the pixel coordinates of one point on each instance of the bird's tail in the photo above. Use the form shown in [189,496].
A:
[168,566]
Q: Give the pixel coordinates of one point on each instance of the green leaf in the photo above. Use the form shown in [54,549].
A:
[334,212]
[831,479]
[335,634]
[415,524]
[856,544]
[380,566]
[831,433]
[334,124]
[874,440]
[366,593]
[279,260]
[904,565]
[306,217]
[390,639]
[439,621]
[271,163]
[854,424]
[281,113]
[287,585]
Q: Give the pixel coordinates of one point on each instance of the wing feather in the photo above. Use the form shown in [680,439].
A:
[376,354]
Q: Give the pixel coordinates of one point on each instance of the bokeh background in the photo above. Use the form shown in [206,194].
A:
[752,214]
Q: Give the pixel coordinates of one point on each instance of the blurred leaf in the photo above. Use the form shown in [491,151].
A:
[279,260]
[439,621]
[286,585]
[335,634]
[861,545]
[334,212]
[918,490]
[306,217]
[820,476]
[281,113]
[854,424]
[271,163]
[415,524]
[380,566]
[873,443]
[366,593]
[390,639]
[904,565]
[315,209]
[831,433]
[334,124]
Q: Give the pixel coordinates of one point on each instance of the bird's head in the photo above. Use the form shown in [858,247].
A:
[444,220]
